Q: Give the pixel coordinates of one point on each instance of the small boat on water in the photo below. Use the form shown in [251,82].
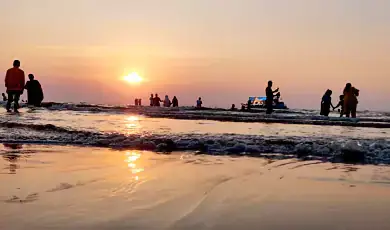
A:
[259,102]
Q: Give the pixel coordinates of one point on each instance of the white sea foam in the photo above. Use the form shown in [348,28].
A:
[335,149]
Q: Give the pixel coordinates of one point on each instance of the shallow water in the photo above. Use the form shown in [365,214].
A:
[49,187]
[138,124]
[126,129]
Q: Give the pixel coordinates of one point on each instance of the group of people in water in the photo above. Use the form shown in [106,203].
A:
[156,101]
[138,102]
[348,102]
[15,85]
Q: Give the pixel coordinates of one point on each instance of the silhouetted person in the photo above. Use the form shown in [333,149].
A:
[175,102]
[167,102]
[199,103]
[350,100]
[242,107]
[34,91]
[249,104]
[14,82]
[151,99]
[156,100]
[270,97]
[340,104]
[233,107]
[140,102]
[277,98]
[4,97]
[326,103]
[136,102]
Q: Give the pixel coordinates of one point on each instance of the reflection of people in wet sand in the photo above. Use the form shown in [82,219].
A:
[13,146]
[12,156]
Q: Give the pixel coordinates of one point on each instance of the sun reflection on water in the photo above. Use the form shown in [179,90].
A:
[131,160]
[132,124]
[132,118]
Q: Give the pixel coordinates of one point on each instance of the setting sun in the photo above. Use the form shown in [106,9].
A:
[133,78]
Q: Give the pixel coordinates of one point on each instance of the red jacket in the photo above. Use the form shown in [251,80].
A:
[14,79]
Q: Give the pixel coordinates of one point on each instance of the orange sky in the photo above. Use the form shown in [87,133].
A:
[222,50]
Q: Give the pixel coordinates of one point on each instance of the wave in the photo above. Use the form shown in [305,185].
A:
[301,117]
[335,149]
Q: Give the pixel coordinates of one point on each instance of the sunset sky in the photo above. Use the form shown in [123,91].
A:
[222,50]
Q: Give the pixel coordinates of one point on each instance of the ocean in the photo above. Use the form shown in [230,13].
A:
[81,166]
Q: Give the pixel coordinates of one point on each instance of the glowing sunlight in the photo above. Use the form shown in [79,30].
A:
[133,78]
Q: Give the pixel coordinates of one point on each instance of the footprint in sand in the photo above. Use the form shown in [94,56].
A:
[62,186]
[29,198]
[65,186]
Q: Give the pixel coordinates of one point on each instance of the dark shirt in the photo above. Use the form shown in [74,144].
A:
[249,104]
[326,100]
[34,91]
[341,103]
[151,99]
[156,101]
[269,93]
[175,102]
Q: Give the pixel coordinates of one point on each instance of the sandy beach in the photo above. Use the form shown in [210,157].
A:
[57,187]
[195,115]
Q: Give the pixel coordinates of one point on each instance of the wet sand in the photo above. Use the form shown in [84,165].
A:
[54,187]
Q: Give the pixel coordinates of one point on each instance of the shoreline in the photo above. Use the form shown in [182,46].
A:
[93,188]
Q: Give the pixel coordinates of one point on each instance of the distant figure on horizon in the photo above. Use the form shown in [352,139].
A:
[151,99]
[277,98]
[242,107]
[175,102]
[340,104]
[136,102]
[4,97]
[326,103]
[270,97]
[249,104]
[14,82]
[156,100]
[167,102]
[34,91]
[233,108]
[350,100]
[139,102]
[199,103]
